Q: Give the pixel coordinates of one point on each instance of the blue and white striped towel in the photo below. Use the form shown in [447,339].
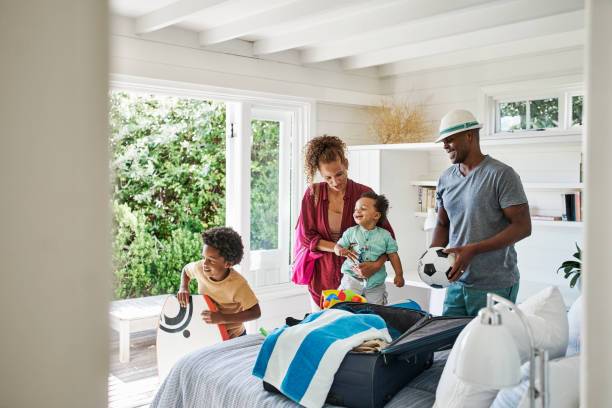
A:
[301,360]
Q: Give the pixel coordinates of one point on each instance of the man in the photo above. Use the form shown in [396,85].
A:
[482,212]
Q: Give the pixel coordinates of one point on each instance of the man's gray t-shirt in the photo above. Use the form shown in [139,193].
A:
[474,206]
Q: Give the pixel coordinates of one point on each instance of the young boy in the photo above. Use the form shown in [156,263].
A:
[236,303]
[366,242]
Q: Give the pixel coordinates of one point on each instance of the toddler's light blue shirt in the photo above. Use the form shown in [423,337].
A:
[370,244]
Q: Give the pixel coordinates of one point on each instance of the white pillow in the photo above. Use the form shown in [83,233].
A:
[563,386]
[545,312]
[547,316]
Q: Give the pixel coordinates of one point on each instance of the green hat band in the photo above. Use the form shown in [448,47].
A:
[463,126]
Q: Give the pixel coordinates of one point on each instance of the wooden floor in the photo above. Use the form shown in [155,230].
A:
[133,384]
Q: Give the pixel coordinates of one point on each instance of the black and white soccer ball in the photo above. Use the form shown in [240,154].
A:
[433,267]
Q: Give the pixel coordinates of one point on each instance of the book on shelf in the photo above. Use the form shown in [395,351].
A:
[426,198]
[571,205]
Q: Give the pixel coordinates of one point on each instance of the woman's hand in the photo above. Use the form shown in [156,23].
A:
[365,269]
[346,253]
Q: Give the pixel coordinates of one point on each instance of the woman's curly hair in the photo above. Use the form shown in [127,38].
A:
[226,241]
[322,149]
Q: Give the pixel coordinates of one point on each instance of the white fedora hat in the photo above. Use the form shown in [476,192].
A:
[456,121]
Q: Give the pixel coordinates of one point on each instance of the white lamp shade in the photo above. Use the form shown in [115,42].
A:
[430,221]
[487,356]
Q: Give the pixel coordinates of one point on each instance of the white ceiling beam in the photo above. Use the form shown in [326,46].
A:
[269,18]
[488,15]
[487,37]
[377,16]
[551,42]
[172,14]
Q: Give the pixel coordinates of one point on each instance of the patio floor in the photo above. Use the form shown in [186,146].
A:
[133,384]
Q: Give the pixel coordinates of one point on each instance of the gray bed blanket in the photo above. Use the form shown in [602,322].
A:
[220,376]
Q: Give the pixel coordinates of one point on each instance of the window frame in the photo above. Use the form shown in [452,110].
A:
[274,258]
[560,108]
[568,108]
[562,88]
[251,103]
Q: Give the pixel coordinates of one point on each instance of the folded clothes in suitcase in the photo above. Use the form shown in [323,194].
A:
[371,380]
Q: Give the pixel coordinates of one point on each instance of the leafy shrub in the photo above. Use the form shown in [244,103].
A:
[168,169]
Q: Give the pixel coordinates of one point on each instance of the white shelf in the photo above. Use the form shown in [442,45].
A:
[526,186]
[554,138]
[570,224]
[565,224]
[424,183]
[554,186]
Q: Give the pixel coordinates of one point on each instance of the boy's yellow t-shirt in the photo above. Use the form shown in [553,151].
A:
[231,295]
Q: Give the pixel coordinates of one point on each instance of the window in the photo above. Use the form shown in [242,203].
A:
[264,184]
[576,109]
[515,108]
[186,160]
[270,224]
[532,114]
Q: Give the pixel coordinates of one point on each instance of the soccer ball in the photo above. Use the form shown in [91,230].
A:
[433,267]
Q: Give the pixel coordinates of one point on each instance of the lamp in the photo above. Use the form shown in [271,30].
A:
[488,356]
[429,225]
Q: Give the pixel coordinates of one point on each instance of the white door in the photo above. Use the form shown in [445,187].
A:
[258,206]
[270,196]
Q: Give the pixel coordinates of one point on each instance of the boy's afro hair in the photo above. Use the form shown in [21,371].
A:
[226,241]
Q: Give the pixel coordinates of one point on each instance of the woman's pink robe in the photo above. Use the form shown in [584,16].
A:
[326,274]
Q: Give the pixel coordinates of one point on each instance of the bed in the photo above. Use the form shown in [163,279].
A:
[220,376]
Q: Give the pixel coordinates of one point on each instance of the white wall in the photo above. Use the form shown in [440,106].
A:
[349,122]
[596,376]
[54,214]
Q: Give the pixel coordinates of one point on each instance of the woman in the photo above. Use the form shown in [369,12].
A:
[327,211]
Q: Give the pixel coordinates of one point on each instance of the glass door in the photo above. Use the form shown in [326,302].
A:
[270,196]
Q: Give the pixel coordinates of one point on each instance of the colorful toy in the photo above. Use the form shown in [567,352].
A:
[332,296]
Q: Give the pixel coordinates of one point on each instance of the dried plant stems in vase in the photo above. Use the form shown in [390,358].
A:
[394,121]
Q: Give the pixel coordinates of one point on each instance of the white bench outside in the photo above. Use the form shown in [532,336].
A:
[134,315]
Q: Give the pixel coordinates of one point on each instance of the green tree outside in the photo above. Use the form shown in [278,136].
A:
[264,184]
[168,180]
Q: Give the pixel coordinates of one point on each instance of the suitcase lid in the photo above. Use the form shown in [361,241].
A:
[401,319]
[430,334]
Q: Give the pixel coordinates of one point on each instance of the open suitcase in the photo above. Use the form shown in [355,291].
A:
[371,380]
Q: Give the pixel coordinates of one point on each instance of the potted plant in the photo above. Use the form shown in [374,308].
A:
[573,268]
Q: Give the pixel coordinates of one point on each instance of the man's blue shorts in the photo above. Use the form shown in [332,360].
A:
[464,301]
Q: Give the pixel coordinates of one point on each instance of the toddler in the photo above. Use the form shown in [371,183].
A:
[365,242]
